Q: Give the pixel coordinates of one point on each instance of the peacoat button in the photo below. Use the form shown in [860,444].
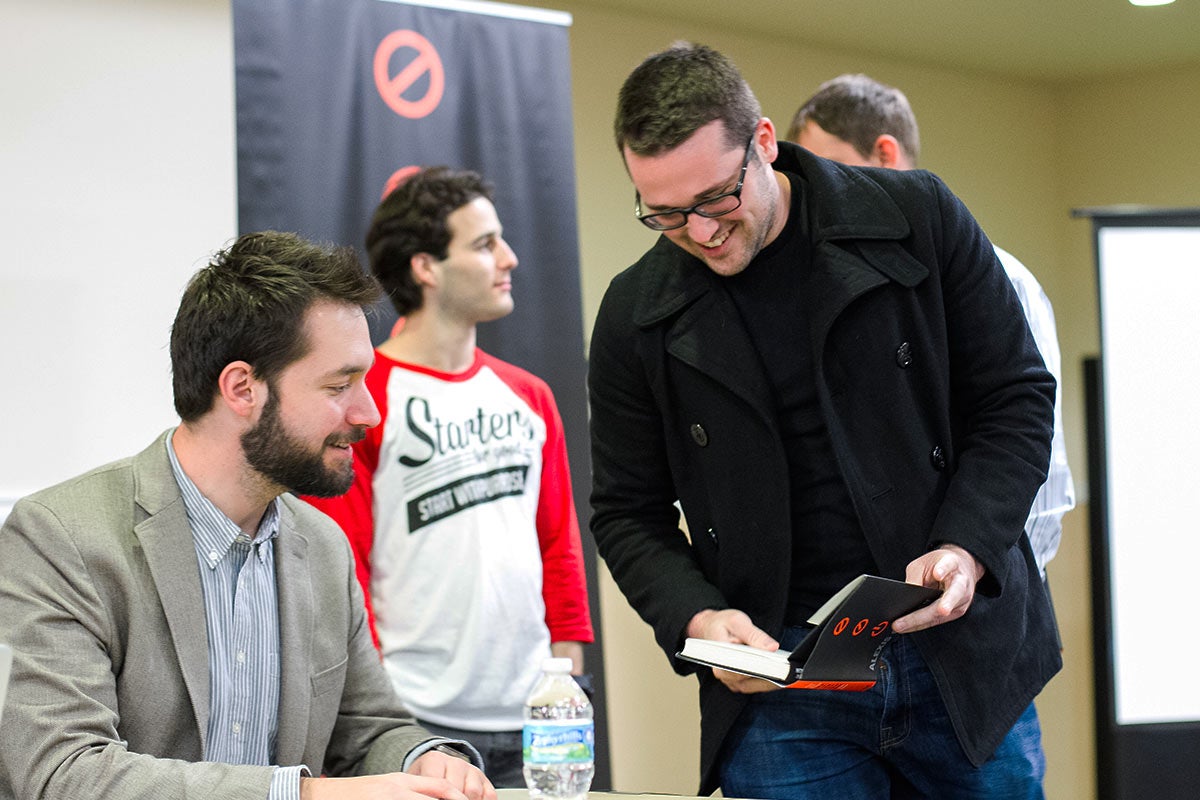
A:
[937,458]
[699,435]
[904,355]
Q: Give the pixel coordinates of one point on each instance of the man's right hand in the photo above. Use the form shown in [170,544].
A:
[731,625]
[391,786]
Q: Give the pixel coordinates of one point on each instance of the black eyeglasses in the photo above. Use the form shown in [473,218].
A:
[712,207]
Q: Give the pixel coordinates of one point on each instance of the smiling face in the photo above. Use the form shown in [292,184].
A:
[473,283]
[702,167]
[317,407]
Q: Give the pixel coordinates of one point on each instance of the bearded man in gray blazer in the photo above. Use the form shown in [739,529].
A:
[183,627]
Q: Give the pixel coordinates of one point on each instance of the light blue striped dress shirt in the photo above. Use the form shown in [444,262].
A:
[1057,495]
[237,575]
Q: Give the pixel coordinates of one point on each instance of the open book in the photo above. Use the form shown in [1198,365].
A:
[839,653]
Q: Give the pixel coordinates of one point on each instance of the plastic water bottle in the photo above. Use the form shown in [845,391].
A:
[559,738]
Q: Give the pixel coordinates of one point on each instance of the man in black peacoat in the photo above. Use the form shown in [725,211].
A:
[937,405]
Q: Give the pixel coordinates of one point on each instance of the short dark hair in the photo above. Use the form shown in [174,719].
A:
[249,305]
[858,109]
[674,93]
[411,220]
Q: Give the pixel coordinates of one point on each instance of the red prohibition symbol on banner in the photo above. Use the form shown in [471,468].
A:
[425,62]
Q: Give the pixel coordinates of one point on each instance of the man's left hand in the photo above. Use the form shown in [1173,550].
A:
[951,569]
[462,774]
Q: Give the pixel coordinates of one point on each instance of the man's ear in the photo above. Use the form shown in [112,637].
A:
[239,390]
[765,137]
[423,269]
[887,152]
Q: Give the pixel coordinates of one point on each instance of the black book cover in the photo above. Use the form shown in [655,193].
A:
[840,652]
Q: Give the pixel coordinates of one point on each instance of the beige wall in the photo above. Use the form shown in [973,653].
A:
[1021,155]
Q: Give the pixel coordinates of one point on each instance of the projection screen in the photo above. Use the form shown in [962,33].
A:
[1150,328]
[1144,465]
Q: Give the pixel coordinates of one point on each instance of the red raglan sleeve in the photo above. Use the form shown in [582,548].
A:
[564,585]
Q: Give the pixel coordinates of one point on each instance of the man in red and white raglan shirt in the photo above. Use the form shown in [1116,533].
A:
[461,515]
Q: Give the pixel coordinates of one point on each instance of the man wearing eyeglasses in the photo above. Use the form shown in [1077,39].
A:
[828,371]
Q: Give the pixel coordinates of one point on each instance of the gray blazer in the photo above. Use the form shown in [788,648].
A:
[100,599]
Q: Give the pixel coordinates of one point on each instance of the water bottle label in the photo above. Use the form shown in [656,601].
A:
[568,741]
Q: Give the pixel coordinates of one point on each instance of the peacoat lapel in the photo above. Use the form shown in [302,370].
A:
[705,331]
[855,226]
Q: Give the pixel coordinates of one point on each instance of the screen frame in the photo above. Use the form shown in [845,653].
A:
[1130,756]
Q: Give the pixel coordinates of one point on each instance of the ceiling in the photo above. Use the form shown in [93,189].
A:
[1048,40]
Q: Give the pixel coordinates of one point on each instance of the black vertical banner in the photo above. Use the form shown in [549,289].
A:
[337,99]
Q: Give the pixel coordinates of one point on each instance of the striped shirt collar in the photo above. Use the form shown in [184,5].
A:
[215,532]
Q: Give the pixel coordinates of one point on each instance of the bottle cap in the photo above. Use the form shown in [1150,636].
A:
[557,665]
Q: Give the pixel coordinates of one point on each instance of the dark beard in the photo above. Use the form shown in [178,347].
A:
[288,462]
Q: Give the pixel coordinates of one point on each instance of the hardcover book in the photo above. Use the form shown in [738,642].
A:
[840,652]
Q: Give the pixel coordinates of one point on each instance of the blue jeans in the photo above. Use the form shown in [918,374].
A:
[892,741]
[501,751]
